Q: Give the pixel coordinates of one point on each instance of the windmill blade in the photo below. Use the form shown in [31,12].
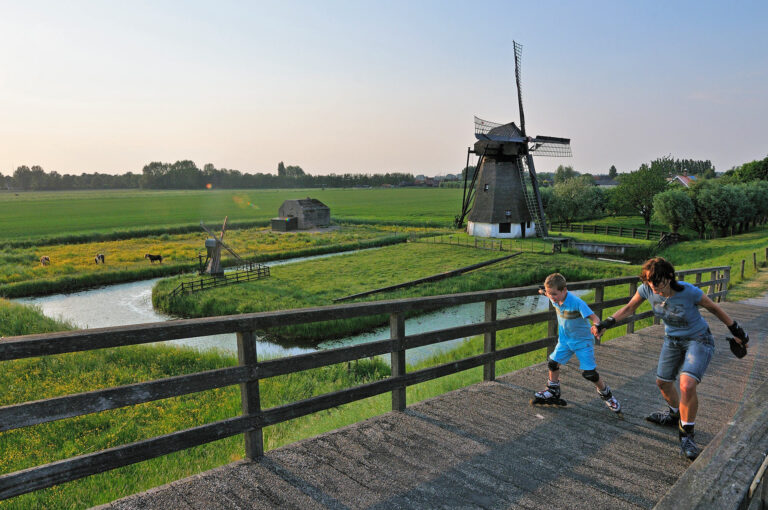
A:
[518,58]
[224,227]
[483,126]
[230,250]
[209,232]
[551,146]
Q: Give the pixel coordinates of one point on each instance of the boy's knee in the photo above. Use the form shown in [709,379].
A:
[591,375]
[553,365]
[664,384]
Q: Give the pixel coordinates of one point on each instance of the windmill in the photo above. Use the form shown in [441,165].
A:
[213,246]
[502,199]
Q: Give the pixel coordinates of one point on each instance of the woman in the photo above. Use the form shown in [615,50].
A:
[688,343]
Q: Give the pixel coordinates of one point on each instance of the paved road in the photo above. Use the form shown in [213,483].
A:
[485,447]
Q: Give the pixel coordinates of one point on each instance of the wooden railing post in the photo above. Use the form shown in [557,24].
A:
[599,294]
[249,394]
[631,323]
[743,262]
[727,276]
[754,261]
[551,327]
[489,342]
[712,286]
[397,333]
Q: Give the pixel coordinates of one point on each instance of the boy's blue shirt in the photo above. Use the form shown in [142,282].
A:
[572,324]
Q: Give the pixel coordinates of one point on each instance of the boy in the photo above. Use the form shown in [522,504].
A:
[574,337]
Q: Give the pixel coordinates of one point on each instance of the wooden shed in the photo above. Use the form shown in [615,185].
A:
[309,212]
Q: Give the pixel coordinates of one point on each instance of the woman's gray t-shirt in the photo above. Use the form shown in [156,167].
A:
[680,312]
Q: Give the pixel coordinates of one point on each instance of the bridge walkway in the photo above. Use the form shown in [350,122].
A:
[484,446]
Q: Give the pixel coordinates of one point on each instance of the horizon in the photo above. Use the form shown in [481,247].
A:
[365,88]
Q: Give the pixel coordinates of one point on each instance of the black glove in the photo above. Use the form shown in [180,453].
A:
[738,349]
[605,324]
[737,331]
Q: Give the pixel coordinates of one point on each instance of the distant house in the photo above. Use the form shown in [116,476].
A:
[309,213]
[685,179]
[604,181]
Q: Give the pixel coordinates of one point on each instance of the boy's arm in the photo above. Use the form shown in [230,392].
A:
[595,320]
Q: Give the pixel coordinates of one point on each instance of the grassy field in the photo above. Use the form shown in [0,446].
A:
[73,263]
[45,214]
[318,282]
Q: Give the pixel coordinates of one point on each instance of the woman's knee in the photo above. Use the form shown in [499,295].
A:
[688,385]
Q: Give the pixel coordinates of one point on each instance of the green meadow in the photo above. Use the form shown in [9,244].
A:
[309,283]
[35,215]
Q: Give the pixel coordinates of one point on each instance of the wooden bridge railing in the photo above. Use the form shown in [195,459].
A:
[250,370]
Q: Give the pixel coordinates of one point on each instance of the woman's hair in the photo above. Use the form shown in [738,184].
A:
[657,269]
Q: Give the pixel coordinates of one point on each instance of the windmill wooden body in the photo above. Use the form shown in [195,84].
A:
[502,198]
[213,246]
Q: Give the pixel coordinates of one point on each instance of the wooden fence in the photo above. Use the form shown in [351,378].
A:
[250,370]
[609,230]
[252,271]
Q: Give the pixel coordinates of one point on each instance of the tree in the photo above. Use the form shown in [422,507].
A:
[723,207]
[572,200]
[612,173]
[22,177]
[637,189]
[280,169]
[698,221]
[754,170]
[673,207]
[564,172]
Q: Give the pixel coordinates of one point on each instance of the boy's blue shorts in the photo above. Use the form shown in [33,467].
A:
[585,351]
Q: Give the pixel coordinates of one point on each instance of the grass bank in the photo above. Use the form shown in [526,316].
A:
[317,282]
[72,265]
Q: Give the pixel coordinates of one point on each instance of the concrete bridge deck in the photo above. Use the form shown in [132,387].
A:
[484,446]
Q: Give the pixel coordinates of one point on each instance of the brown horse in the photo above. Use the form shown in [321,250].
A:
[154,258]
[99,258]
[45,260]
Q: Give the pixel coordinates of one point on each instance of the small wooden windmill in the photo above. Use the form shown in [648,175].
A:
[213,246]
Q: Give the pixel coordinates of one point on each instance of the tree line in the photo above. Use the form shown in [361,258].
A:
[722,206]
[186,175]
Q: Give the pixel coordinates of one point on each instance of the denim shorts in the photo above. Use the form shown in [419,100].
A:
[687,355]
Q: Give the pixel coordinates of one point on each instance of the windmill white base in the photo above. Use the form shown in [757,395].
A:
[516,230]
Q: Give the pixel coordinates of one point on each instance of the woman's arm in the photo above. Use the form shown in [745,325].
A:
[625,311]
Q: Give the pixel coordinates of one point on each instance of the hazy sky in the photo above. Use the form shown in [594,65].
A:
[376,86]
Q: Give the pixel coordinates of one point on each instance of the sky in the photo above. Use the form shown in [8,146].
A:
[376,86]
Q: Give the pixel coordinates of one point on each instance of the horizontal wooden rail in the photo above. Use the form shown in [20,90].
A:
[250,371]
[610,230]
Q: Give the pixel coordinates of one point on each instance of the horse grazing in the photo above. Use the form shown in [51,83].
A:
[45,260]
[99,258]
[154,258]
